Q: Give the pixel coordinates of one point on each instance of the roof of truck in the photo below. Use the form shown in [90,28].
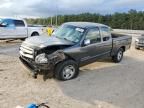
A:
[11,18]
[85,24]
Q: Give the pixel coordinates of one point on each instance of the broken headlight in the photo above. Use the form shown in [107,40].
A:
[41,58]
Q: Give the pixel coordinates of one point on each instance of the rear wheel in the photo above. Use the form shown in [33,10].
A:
[119,56]
[66,70]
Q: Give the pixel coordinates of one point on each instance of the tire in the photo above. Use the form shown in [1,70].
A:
[23,39]
[119,56]
[138,48]
[66,70]
[35,34]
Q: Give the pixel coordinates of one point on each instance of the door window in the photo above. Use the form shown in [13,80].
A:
[94,35]
[7,23]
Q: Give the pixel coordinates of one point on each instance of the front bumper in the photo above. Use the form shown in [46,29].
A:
[139,44]
[33,67]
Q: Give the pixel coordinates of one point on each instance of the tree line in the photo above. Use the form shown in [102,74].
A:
[130,20]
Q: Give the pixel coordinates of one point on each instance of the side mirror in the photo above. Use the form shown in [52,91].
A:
[87,42]
[3,25]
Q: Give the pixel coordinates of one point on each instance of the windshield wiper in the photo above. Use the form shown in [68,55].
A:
[56,36]
[66,39]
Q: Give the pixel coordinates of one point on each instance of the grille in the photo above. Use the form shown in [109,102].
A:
[26,52]
[141,41]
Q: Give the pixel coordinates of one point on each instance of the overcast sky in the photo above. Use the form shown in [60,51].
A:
[44,8]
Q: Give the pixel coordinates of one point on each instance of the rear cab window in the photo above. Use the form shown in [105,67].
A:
[106,34]
[19,23]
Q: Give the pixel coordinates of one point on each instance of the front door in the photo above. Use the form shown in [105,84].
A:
[93,49]
[7,29]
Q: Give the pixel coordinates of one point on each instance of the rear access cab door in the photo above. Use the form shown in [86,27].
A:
[7,28]
[100,44]
[106,40]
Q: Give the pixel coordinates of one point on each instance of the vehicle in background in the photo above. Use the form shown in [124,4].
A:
[139,42]
[11,28]
[72,45]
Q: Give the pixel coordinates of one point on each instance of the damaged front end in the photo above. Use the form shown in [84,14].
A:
[43,61]
[50,59]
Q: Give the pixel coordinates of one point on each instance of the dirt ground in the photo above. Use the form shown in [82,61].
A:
[102,84]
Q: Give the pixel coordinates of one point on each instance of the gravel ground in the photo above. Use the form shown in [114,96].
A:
[103,84]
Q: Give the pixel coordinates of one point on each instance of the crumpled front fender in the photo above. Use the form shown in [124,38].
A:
[56,57]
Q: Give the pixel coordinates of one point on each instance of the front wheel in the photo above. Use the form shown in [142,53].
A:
[66,70]
[119,56]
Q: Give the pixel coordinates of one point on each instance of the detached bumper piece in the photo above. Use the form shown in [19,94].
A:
[34,68]
[30,67]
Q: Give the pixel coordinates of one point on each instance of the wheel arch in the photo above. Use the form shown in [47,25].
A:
[68,57]
[124,48]
[34,32]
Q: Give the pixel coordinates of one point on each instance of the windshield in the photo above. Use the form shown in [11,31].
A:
[1,21]
[70,33]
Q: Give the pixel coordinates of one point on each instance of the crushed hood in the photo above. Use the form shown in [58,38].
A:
[44,41]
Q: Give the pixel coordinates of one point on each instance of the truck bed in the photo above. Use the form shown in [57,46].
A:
[121,37]
[120,40]
[116,35]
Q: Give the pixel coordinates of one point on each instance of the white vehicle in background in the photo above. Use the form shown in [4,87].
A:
[11,28]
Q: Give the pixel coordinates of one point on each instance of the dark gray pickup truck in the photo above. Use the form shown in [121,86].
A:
[72,45]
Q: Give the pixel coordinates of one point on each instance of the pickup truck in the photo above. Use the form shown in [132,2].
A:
[11,28]
[139,42]
[73,44]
